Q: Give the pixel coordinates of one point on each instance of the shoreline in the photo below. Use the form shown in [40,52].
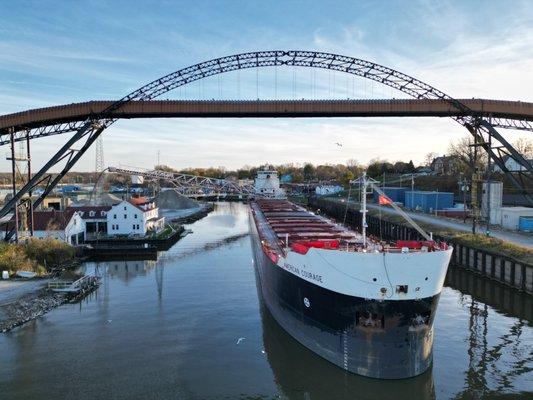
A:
[29,307]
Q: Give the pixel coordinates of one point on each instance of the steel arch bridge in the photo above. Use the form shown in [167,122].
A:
[187,184]
[86,132]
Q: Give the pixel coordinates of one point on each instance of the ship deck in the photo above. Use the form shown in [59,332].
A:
[289,221]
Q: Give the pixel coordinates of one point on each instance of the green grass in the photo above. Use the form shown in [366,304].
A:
[495,245]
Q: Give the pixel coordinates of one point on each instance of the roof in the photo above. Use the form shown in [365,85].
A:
[52,220]
[138,200]
[138,205]
[85,211]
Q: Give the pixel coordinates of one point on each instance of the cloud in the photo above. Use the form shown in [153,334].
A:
[460,48]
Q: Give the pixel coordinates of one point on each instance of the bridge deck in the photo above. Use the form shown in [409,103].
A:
[263,108]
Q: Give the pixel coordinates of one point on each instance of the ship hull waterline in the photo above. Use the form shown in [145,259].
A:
[394,351]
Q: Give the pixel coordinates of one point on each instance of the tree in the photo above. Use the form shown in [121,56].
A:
[467,155]
[308,172]
[347,177]
[524,146]
[428,159]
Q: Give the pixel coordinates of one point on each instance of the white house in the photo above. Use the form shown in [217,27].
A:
[134,217]
[95,218]
[511,165]
[67,226]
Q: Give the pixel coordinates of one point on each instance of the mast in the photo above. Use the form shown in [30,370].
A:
[363,208]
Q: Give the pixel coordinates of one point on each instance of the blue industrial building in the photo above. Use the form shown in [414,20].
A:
[396,194]
[70,188]
[525,224]
[428,201]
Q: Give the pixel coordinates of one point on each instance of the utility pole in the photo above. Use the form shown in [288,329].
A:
[488,188]
[14,182]
[30,204]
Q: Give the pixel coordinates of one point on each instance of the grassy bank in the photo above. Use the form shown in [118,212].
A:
[37,255]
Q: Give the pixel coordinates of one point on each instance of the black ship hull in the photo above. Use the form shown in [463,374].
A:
[387,339]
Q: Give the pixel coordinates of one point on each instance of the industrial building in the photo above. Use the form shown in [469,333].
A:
[428,201]
[396,194]
[324,190]
[515,217]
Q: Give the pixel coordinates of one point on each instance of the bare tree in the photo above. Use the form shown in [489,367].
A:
[467,155]
[428,159]
[524,146]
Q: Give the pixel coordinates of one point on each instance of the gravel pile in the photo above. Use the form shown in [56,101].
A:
[172,200]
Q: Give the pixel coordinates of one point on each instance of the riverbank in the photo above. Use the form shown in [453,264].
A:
[189,215]
[21,302]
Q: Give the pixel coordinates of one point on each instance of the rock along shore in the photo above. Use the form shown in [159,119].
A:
[29,307]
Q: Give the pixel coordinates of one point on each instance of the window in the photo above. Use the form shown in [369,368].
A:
[124,208]
[125,216]
[115,216]
[135,216]
[91,213]
[133,226]
[137,226]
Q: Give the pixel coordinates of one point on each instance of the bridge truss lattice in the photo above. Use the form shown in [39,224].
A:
[86,132]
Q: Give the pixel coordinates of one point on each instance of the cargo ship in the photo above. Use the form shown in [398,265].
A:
[361,303]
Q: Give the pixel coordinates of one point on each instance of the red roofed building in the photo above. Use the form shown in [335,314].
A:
[65,225]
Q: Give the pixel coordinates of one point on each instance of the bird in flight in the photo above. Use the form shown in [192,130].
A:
[338,144]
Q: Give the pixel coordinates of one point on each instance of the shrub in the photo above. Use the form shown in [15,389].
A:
[49,252]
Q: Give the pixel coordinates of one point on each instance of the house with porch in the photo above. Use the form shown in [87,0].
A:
[95,217]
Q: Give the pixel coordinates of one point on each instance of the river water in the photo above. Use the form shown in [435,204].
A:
[191,326]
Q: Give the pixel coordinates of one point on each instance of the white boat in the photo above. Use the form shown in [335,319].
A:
[26,274]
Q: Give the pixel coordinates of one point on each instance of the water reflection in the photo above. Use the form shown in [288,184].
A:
[496,363]
[301,374]
[127,270]
[168,329]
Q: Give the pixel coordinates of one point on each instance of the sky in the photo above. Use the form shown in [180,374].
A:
[58,52]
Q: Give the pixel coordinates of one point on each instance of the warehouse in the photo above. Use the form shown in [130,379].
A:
[428,201]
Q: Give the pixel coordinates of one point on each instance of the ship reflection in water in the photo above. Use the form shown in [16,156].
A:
[499,359]
[301,374]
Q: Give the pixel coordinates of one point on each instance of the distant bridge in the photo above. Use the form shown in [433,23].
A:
[60,119]
[191,185]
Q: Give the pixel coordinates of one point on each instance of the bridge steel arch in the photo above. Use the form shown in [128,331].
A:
[86,132]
